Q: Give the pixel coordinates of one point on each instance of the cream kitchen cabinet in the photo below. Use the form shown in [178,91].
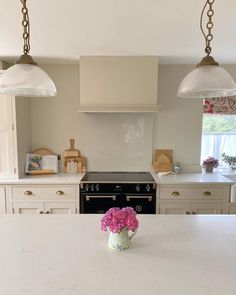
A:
[175,208]
[232,209]
[27,208]
[208,208]
[2,200]
[44,208]
[43,199]
[8,154]
[15,135]
[190,208]
[60,208]
[197,199]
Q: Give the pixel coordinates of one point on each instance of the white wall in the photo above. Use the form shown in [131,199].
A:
[178,125]
[23,126]
[179,122]
[55,120]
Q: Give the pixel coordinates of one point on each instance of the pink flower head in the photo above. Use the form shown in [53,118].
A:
[210,161]
[116,219]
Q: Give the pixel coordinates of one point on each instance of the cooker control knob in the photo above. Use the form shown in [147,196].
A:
[148,187]
[92,187]
[137,188]
[97,187]
[138,208]
[87,187]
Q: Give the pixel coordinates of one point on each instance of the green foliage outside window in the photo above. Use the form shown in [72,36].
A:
[219,123]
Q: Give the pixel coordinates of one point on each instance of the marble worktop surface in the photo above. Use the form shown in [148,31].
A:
[215,178]
[61,178]
[68,255]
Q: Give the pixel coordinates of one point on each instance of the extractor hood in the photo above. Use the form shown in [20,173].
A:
[118,84]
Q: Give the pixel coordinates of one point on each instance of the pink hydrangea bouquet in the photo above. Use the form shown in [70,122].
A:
[116,220]
[210,161]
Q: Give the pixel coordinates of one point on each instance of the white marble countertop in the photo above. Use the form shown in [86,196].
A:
[193,178]
[61,178]
[68,255]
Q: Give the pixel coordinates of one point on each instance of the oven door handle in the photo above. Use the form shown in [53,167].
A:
[87,197]
[128,198]
[139,197]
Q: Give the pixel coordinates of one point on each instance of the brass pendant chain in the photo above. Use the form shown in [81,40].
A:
[208,36]
[26,28]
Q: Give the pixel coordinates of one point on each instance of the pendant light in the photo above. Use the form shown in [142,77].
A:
[26,78]
[208,79]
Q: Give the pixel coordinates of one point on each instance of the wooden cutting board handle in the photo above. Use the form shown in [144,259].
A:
[72,144]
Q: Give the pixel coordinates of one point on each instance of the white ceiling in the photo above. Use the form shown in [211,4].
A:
[61,31]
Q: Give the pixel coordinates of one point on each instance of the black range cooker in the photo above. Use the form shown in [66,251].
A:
[100,191]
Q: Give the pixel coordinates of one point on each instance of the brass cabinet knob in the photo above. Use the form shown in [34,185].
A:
[207,193]
[47,212]
[193,212]
[28,193]
[187,212]
[60,193]
[175,194]
[41,212]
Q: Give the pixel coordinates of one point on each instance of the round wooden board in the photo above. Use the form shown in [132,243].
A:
[43,152]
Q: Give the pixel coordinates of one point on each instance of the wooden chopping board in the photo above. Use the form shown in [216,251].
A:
[163,160]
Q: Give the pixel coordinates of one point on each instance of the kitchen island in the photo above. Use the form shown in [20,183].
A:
[171,254]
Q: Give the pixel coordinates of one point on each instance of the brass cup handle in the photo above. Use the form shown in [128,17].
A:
[47,212]
[175,194]
[28,193]
[60,193]
[207,193]
[41,212]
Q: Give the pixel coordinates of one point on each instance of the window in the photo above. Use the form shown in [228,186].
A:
[218,136]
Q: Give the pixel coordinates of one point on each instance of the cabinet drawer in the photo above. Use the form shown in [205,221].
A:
[191,193]
[50,192]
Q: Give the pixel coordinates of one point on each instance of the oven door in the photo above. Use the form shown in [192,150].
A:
[98,203]
[143,204]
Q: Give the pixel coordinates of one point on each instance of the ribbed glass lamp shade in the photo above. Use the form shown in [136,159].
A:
[207,81]
[26,80]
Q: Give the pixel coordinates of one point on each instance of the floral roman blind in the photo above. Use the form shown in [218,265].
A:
[222,105]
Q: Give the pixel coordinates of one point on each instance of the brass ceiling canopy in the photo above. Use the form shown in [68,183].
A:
[207,61]
[26,59]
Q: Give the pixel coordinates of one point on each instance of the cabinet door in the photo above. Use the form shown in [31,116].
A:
[2,200]
[209,208]
[7,137]
[175,208]
[28,208]
[60,208]
[232,209]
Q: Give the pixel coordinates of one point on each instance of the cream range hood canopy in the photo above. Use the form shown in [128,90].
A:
[118,84]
